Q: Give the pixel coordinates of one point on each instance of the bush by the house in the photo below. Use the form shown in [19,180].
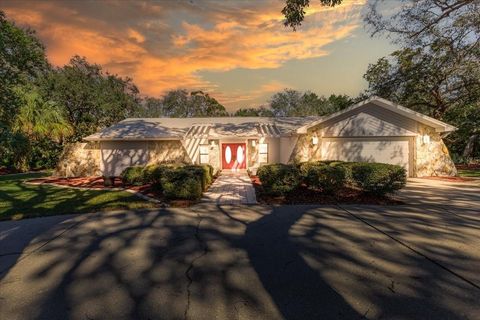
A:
[205,172]
[378,178]
[153,174]
[176,181]
[182,183]
[324,176]
[279,179]
[133,176]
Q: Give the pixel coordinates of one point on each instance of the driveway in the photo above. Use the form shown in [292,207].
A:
[415,261]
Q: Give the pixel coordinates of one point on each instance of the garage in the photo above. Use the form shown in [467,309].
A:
[392,150]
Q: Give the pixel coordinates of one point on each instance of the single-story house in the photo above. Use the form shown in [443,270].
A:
[375,130]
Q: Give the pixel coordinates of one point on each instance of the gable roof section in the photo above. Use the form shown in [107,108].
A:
[187,128]
[184,128]
[408,113]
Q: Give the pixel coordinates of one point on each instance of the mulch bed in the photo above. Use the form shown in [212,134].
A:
[307,196]
[83,182]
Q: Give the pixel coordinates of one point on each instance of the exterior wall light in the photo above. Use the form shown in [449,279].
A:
[212,143]
[314,140]
[426,139]
[254,143]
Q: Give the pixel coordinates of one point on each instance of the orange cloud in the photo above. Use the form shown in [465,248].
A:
[161,55]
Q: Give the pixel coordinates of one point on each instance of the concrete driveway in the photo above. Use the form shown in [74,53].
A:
[415,261]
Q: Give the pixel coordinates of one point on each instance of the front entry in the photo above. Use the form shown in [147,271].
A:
[234,156]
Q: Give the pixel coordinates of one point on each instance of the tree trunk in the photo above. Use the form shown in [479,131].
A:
[467,152]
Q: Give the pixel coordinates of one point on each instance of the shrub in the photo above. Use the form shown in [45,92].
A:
[182,183]
[133,176]
[329,178]
[378,178]
[153,174]
[204,172]
[279,179]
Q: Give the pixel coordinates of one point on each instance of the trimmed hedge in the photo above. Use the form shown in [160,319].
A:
[378,178]
[176,181]
[203,171]
[153,174]
[133,176]
[329,178]
[279,179]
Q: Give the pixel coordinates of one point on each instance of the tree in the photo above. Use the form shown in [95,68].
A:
[38,122]
[438,69]
[253,112]
[90,98]
[292,103]
[22,59]
[39,118]
[294,11]
[152,108]
[422,23]
[202,105]
[179,103]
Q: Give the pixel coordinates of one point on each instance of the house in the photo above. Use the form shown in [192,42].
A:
[375,130]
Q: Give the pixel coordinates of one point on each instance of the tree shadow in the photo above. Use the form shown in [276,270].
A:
[229,262]
[297,289]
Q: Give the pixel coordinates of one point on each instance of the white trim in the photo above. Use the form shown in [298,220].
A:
[419,117]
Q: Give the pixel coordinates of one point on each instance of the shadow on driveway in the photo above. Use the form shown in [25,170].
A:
[230,262]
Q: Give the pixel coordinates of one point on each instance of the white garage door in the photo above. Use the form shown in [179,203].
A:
[393,151]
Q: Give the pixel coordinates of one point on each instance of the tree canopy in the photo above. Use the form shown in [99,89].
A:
[291,103]
[181,103]
[22,59]
[253,112]
[437,70]
[294,11]
[92,99]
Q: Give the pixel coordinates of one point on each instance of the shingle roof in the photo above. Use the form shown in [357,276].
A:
[180,128]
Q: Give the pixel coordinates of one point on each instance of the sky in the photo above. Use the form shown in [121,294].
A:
[238,51]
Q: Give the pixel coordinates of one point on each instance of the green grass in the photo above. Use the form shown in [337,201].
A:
[475,173]
[19,200]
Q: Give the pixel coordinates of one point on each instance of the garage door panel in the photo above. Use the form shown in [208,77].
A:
[382,151]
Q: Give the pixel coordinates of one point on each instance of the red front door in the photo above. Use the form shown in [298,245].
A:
[234,156]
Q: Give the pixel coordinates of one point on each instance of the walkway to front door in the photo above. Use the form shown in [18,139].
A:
[231,188]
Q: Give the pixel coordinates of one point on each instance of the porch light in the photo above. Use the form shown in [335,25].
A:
[314,140]
[212,143]
[254,143]
[426,139]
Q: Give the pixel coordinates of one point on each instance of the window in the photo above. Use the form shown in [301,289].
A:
[204,154]
[263,153]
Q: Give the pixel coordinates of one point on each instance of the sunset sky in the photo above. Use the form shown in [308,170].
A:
[238,51]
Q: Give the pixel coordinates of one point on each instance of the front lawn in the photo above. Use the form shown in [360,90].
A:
[473,173]
[19,200]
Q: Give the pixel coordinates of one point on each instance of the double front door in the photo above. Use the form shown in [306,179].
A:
[234,156]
